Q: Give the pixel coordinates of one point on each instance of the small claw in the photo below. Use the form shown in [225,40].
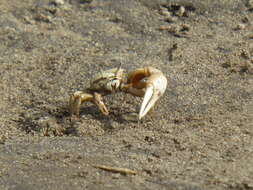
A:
[156,86]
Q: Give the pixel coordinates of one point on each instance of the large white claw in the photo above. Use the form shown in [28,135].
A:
[156,86]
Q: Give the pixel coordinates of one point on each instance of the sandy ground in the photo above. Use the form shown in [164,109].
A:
[200,135]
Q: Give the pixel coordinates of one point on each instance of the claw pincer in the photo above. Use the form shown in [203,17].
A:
[148,82]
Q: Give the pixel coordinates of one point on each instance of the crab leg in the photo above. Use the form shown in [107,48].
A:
[79,97]
[148,82]
[97,99]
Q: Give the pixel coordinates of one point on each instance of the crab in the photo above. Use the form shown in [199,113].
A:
[147,82]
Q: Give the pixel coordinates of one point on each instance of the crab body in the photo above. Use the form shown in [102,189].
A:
[147,82]
[106,82]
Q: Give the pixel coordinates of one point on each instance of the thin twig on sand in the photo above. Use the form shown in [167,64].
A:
[124,171]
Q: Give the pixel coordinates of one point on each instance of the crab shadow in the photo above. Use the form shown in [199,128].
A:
[115,115]
[55,120]
[46,120]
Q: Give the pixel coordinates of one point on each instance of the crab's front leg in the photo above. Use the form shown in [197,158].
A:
[148,82]
[79,97]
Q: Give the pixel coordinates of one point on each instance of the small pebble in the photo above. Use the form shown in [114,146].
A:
[171,19]
[58,2]
[240,26]
[28,20]
[112,125]
[165,13]
[185,28]
[181,11]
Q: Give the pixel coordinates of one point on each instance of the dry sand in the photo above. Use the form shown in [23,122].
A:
[200,135]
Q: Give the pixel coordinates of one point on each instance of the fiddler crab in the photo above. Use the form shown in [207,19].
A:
[147,82]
